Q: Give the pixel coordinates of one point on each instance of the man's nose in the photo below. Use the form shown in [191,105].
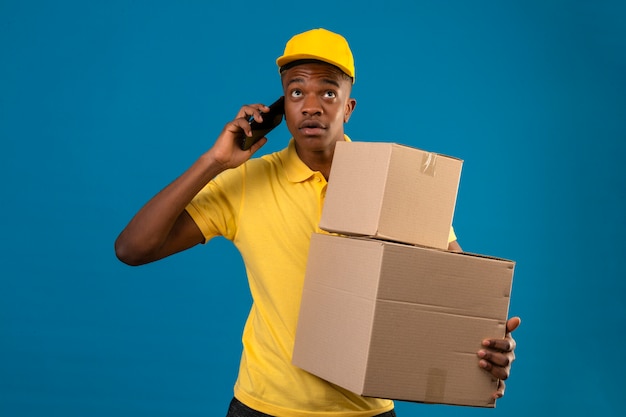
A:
[312,105]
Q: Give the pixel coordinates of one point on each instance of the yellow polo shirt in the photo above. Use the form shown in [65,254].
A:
[268,208]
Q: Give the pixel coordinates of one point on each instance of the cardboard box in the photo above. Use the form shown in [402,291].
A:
[393,192]
[389,320]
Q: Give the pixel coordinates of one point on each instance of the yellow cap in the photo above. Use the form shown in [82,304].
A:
[320,44]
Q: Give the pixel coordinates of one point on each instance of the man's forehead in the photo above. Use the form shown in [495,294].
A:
[317,70]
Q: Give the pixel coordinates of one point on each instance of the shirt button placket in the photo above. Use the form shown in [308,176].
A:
[320,186]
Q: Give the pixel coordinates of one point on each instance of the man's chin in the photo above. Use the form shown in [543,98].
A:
[314,143]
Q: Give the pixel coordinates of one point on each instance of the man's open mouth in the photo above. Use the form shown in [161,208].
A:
[311,127]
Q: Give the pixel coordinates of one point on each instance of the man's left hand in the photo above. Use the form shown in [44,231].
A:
[497,355]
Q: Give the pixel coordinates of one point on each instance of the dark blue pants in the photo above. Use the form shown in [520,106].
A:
[238,409]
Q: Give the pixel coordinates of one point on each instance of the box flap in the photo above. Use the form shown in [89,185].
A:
[446,282]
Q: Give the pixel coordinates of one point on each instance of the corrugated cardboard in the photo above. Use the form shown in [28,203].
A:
[393,192]
[403,322]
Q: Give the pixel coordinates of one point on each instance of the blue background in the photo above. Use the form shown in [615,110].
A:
[103,103]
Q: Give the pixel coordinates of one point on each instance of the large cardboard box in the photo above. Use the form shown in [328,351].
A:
[393,192]
[403,322]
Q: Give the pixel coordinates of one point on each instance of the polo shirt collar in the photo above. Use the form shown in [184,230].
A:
[296,170]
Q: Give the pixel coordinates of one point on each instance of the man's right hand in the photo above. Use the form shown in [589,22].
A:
[227,151]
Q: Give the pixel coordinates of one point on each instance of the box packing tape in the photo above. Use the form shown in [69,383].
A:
[435,385]
[429,162]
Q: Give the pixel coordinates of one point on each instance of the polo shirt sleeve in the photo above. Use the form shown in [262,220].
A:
[452,236]
[215,209]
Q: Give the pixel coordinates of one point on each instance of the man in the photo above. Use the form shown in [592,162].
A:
[269,207]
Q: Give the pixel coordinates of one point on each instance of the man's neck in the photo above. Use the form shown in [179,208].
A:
[318,160]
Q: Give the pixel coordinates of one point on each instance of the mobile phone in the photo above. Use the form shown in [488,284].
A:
[271,119]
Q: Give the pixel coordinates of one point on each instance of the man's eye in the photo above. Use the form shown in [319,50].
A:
[296,93]
[330,94]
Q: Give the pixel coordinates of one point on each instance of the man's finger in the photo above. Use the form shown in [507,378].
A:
[252,110]
[512,324]
[497,371]
[500,392]
[498,359]
[503,345]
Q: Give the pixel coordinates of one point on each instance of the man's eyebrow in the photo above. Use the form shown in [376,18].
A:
[331,81]
[295,81]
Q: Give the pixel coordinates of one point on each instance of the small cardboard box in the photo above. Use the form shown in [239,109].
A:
[392,192]
[402,322]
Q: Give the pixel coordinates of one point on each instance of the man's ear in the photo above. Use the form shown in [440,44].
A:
[350,105]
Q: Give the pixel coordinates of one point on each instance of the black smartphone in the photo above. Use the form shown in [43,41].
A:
[271,119]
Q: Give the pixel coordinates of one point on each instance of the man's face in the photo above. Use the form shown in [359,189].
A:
[317,104]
